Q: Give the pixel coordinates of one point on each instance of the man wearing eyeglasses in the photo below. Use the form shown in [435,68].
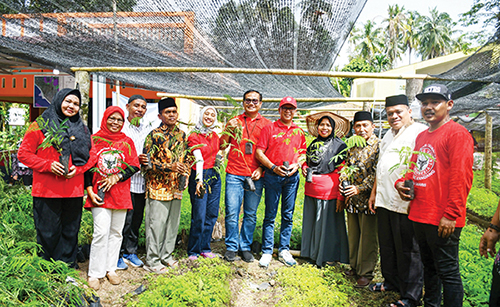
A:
[281,149]
[241,135]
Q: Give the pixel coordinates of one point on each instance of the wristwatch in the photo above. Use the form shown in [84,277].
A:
[120,176]
[273,167]
[494,227]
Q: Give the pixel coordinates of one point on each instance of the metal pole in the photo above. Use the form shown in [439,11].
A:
[488,149]
[287,72]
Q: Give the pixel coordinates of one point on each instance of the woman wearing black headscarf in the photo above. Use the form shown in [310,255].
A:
[324,235]
[57,135]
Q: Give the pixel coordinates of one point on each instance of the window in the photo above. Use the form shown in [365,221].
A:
[24,82]
[3,82]
[13,82]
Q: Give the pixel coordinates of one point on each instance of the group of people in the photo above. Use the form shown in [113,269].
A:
[415,226]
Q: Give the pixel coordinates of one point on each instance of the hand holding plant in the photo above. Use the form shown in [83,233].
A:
[94,198]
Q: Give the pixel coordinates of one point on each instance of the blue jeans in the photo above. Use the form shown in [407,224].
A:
[275,187]
[441,270]
[237,191]
[204,212]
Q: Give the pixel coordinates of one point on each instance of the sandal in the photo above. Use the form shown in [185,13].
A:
[379,287]
[404,302]
[173,264]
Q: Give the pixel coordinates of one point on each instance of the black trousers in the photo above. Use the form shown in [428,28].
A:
[57,222]
[441,268]
[133,222]
[399,254]
[495,284]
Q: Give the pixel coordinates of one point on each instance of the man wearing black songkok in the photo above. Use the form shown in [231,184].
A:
[361,222]
[399,253]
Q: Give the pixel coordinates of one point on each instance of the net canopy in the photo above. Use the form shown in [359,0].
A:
[265,34]
[470,97]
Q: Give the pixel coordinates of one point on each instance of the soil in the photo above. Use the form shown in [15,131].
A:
[251,285]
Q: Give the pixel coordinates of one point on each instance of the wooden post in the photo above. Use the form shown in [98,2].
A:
[488,141]
[82,82]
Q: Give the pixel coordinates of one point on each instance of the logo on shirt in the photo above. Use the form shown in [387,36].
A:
[109,161]
[424,167]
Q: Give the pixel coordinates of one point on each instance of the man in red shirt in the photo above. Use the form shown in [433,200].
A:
[281,149]
[442,175]
[243,170]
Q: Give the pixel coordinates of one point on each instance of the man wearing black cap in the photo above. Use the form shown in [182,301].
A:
[137,131]
[399,252]
[442,176]
[361,222]
[167,147]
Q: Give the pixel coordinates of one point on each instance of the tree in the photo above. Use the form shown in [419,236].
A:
[410,32]
[435,35]
[367,41]
[394,32]
[488,9]
[356,64]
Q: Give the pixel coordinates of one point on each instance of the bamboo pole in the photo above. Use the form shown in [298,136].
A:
[488,141]
[304,99]
[285,72]
[299,109]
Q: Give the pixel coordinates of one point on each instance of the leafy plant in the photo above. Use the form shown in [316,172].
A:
[482,201]
[206,284]
[351,142]
[52,134]
[405,154]
[349,171]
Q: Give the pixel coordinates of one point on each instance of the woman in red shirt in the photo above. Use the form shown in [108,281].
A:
[204,185]
[324,235]
[116,161]
[58,188]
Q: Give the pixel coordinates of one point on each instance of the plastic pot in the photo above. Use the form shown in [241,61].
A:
[150,165]
[345,184]
[202,192]
[64,160]
[287,165]
[251,185]
[409,184]
[309,175]
[101,194]
[182,182]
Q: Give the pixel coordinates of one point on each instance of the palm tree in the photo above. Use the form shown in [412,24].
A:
[410,34]
[435,35]
[394,32]
[367,41]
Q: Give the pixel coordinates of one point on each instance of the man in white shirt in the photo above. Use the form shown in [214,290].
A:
[399,252]
[135,129]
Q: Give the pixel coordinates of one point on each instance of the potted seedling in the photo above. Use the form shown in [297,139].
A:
[349,171]
[405,163]
[53,137]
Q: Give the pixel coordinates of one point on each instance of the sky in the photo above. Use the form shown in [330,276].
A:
[376,10]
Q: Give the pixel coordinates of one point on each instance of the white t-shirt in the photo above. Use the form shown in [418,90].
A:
[387,196]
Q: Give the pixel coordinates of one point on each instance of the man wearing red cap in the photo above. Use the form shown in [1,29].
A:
[281,149]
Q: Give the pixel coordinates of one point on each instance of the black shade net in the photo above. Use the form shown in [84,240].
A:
[264,34]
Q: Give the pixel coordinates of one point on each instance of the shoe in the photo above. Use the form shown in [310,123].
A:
[404,302]
[193,257]
[265,260]
[157,270]
[173,264]
[230,256]
[113,278]
[94,283]
[362,282]
[133,260]
[286,258]
[380,287]
[246,256]
[350,273]
[121,264]
[209,255]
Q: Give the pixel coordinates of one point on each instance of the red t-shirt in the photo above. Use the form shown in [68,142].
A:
[112,159]
[443,184]
[45,183]
[239,163]
[282,143]
[209,150]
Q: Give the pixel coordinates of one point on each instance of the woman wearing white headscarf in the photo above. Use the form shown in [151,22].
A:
[204,185]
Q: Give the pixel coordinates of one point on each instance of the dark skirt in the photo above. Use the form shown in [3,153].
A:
[324,234]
